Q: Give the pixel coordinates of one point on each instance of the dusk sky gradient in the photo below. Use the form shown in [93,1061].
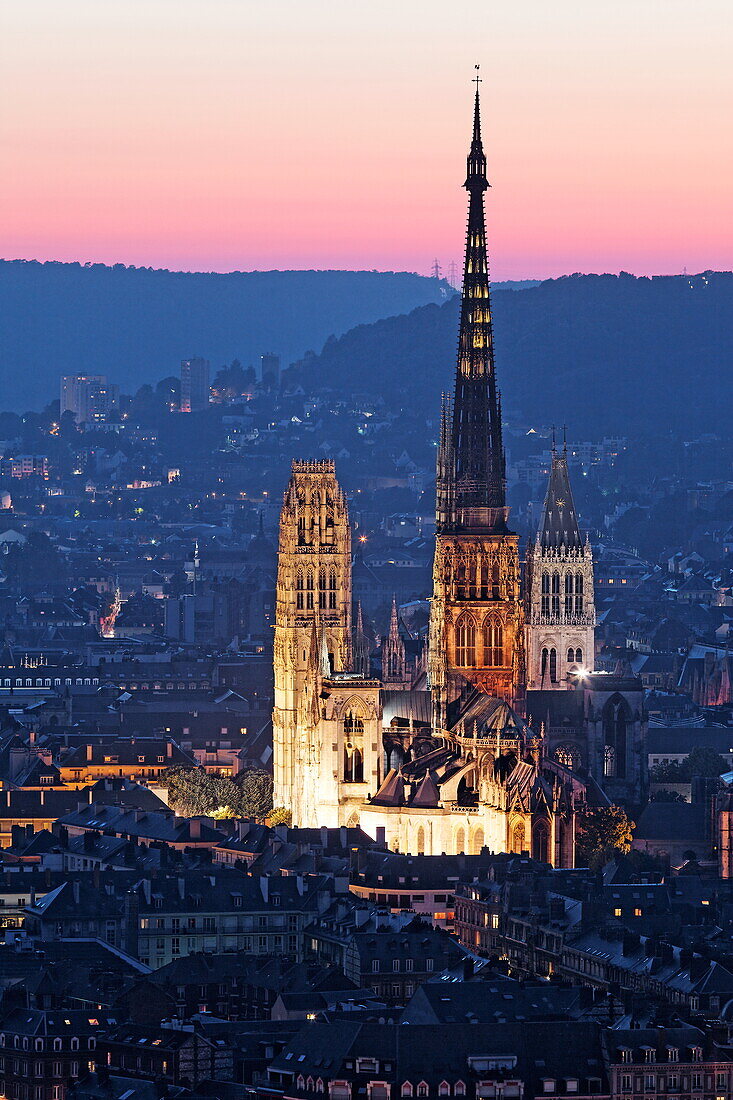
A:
[244,134]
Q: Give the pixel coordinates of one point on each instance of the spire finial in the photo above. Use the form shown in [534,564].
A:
[553,438]
[565,439]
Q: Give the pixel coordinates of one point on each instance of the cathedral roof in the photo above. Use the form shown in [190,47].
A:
[392,791]
[408,705]
[427,794]
[559,525]
[486,714]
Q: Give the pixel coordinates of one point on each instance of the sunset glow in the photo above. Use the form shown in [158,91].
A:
[240,134]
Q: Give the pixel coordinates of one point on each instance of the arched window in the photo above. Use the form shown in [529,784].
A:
[545,593]
[460,842]
[299,590]
[461,582]
[466,642]
[571,655]
[578,593]
[322,589]
[555,593]
[420,852]
[495,581]
[615,737]
[518,838]
[309,590]
[568,593]
[545,662]
[478,842]
[332,590]
[578,656]
[472,591]
[493,642]
[553,665]
[540,838]
[353,748]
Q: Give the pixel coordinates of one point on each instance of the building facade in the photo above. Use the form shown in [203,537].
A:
[455,760]
[561,614]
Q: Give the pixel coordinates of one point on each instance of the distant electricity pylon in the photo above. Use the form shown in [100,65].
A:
[453,274]
[435,270]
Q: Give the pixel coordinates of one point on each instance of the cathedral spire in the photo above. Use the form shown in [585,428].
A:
[559,526]
[471,475]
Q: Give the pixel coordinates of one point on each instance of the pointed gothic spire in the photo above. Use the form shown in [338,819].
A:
[559,526]
[394,622]
[471,467]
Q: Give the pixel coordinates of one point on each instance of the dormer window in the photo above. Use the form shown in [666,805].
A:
[673,1054]
[649,1054]
[625,1055]
[696,1053]
[571,1084]
[443,1089]
[406,1089]
[548,1084]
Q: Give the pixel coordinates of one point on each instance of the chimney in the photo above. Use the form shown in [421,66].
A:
[265,888]
[381,837]
[324,837]
[343,834]
[169,749]
[75,888]
[90,751]
[181,888]
[194,828]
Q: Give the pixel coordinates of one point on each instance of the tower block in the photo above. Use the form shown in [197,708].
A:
[312,622]
[477,615]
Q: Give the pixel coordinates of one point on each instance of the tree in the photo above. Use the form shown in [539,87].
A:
[193,792]
[667,796]
[281,816]
[256,794]
[603,831]
[705,761]
[701,761]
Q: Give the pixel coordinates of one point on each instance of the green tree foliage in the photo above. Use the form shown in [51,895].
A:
[193,792]
[667,796]
[701,761]
[281,816]
[603,831]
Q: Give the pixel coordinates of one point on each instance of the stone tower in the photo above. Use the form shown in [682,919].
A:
[477,615]
[312,618]
[560,631]
[394,663]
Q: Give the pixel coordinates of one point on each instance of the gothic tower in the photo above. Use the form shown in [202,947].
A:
[477,617]
[560,632]
[312,623]
[394,664]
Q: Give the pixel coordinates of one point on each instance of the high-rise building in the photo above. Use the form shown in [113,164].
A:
[195,387]
[270,370]
[88,396]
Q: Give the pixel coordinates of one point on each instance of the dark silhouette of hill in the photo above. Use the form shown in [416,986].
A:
[603,353]
[136,324]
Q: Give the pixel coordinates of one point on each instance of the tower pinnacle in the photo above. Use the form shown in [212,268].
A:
[471,467]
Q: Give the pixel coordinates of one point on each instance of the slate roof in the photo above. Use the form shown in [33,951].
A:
[559,526]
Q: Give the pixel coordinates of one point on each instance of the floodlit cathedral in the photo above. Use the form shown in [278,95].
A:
[509,732]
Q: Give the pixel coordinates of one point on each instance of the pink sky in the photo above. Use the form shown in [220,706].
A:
[241,134]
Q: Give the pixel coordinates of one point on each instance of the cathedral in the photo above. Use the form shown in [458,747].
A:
[501,732]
